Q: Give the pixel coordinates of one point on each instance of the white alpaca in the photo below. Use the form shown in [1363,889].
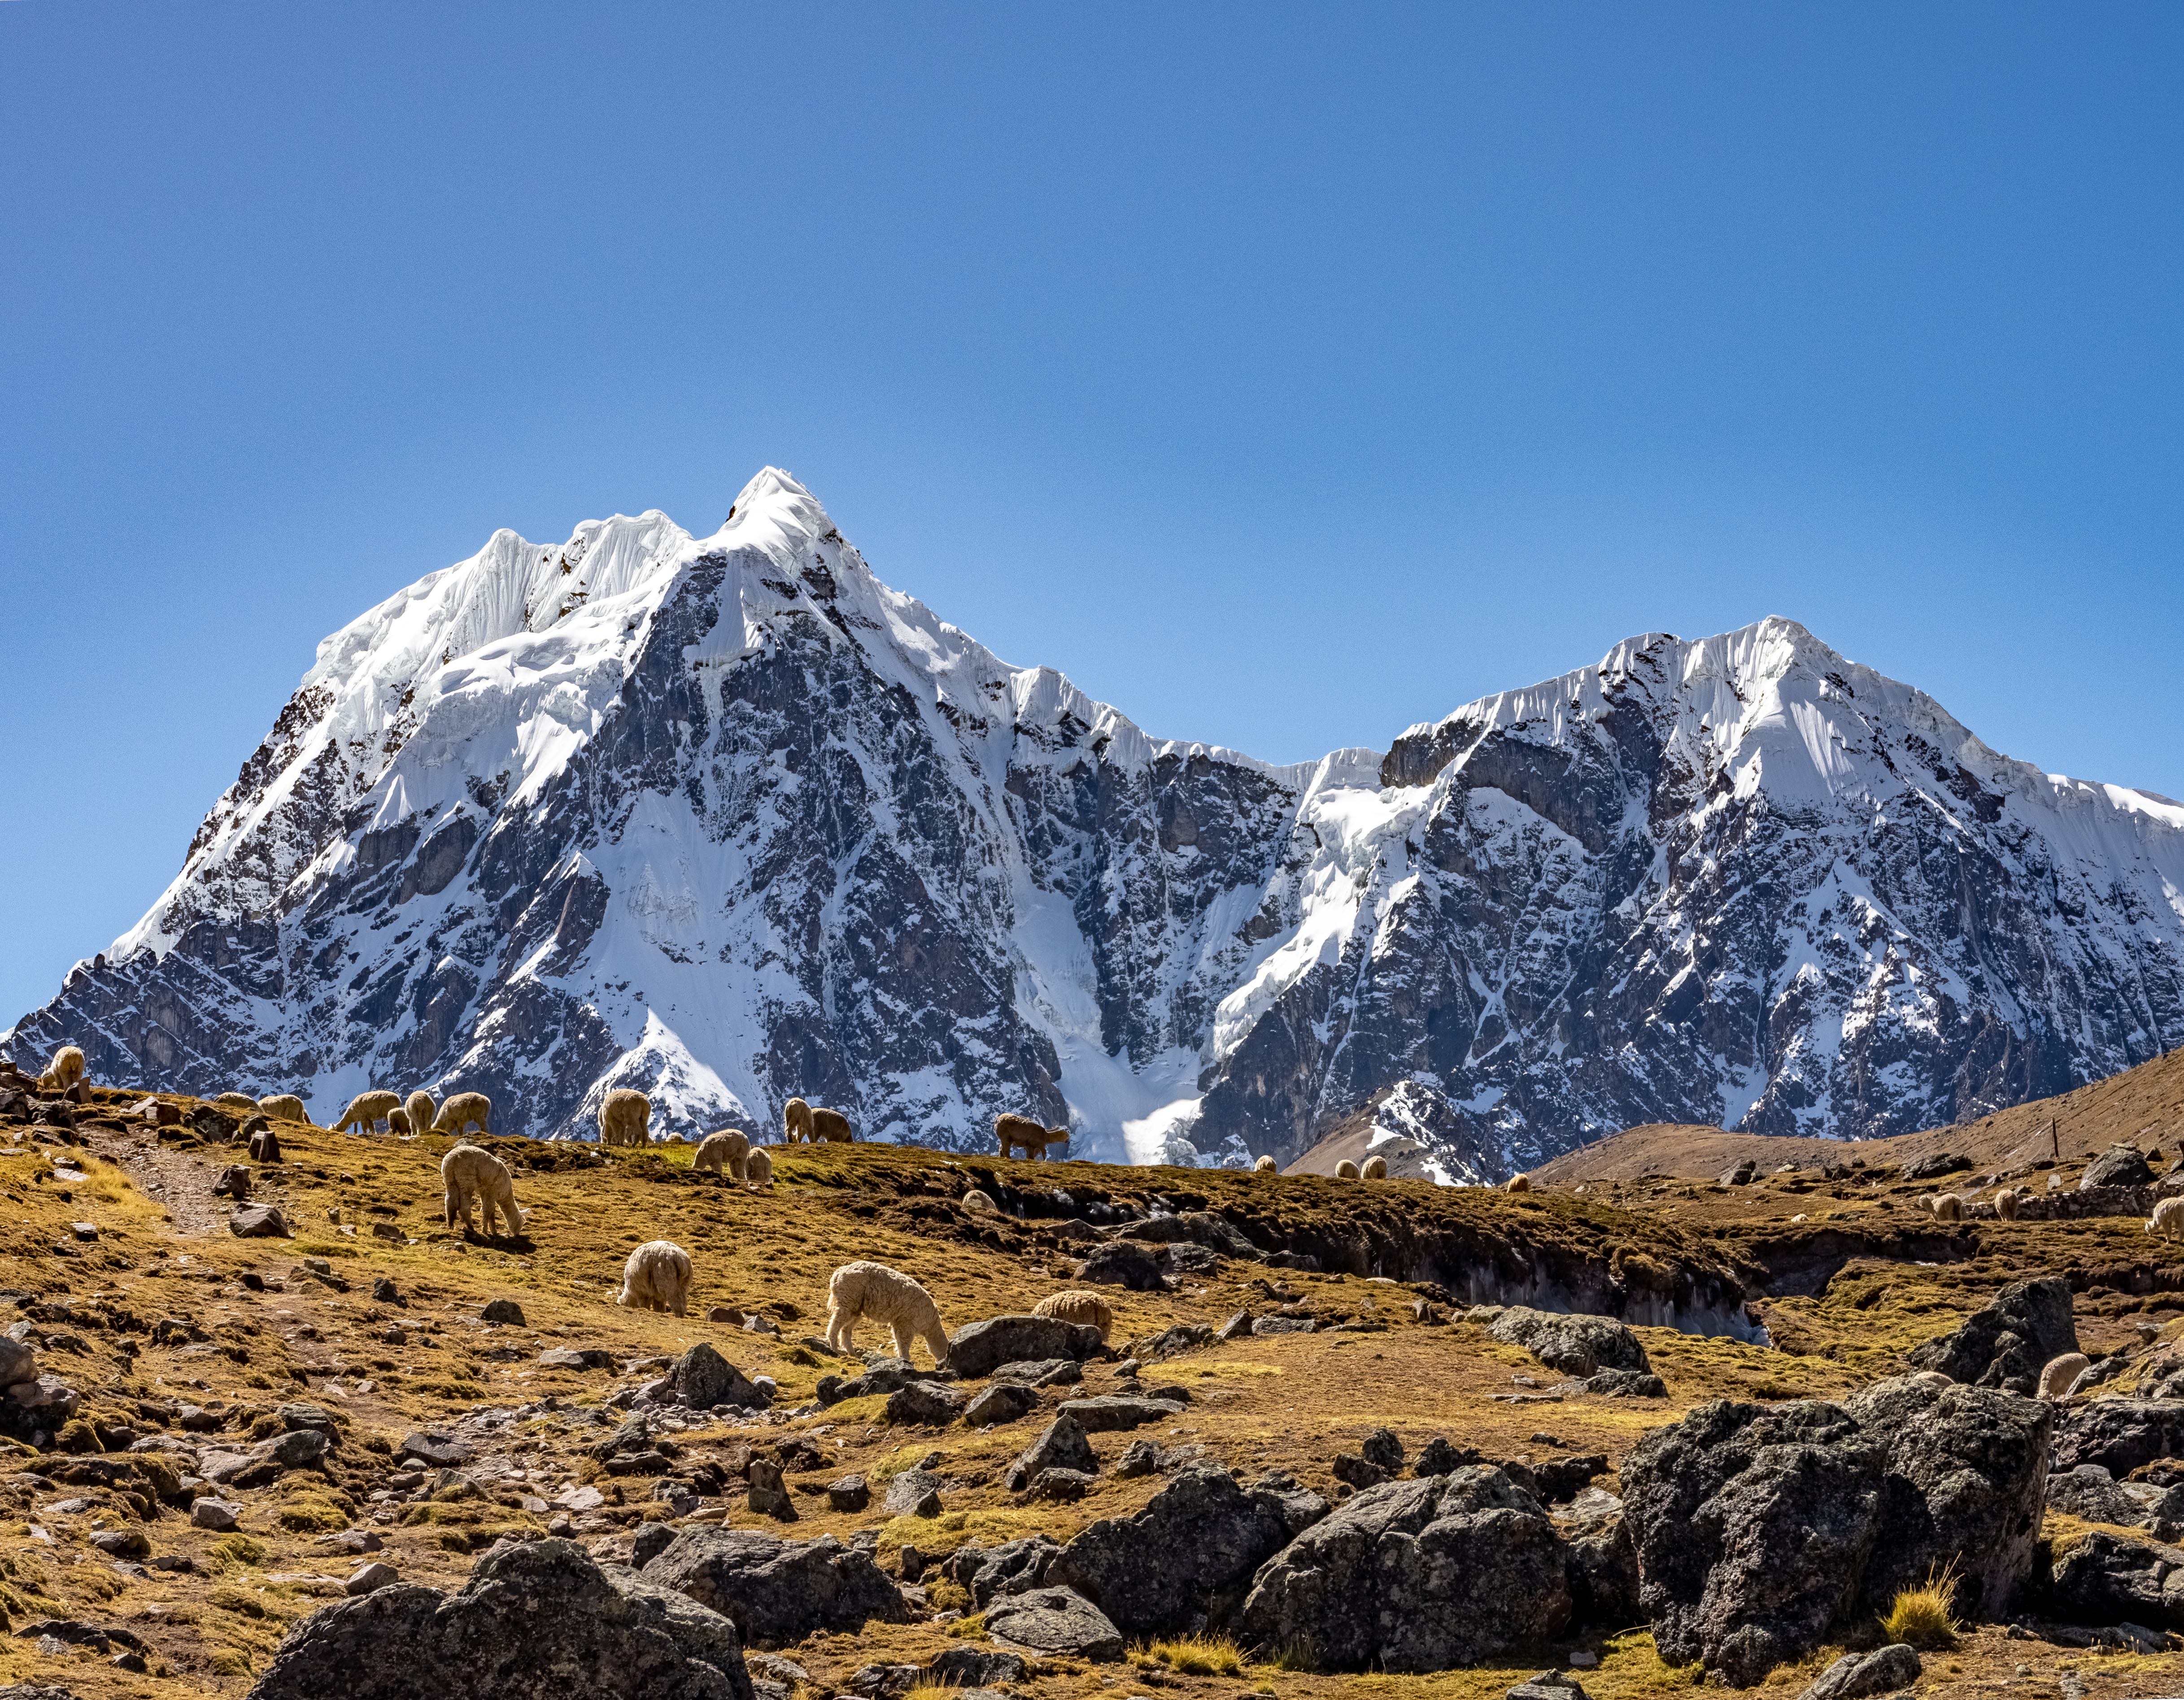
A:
[1375,1168]
[468,1172]
[1346,1170]
[420,1109]
[865,1291]
[2008,1202]
[624,1116]
[285,1107]
[1949,1206]
[2167,1219]
[758,1169]
[365,1108]
[657,1277]
[242,1100]
[1265,1166]
[1074,1304]
[725,1152]
[1520,1183]
[65,1069]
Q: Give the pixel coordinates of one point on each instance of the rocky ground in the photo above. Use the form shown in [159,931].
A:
[1340,1427]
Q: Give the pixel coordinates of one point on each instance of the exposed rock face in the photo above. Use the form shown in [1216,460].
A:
[1760,1529]
[1857,1675]
[1056,1622]
[981,1347]
[2119,1435]
[776,1591]
[1183,1562]
[1415,1576]
[2120,1165]
[2007,1343]
[2106,1579]
[704,817]
[539,1621]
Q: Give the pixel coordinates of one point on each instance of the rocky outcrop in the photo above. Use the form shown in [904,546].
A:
[1558,912]
[1581,1346]
[777,1591]
[2007,1343]
[1415,1576]
[981,1347]
[2119,1435]
[1760,1531]
[1056,1623]
[2106,1579]
[538,1621]
[1182,1565]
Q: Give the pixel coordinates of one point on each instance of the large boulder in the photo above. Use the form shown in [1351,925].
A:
[2007,1344]
[1752,1526]
[2119,1435]
[1056,1623]
[981,1347]
[1575,1345]
[17,1362]
[2120,1165]
[537,1621]
[2091,1493]
[1015,1567]
[1124,1264]
[1965,1474]
[2107,1579]
[1184,1562]
[1105,1412]
[1061,1444]
[1603,1563]
[1415,1576]
[703,1379]
[775,1591]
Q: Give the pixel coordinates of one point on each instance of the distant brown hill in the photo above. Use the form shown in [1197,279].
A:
[2142,1106]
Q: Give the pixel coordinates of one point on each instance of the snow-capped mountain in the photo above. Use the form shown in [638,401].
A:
[729,820]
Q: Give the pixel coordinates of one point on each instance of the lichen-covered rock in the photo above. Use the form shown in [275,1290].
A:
[703,1379]
[981,1347]
[1004,1402]
[1575,1345]
[1015,1567]
[1124,1264]
[1857,1675]
[1415,1576]
[2106,1579]
[1965,1474]
[1185,1560]
[2007,1344]
[1057,1623]
[2119,1435]
[2120,1165]
[926,1403]
[776,1590]
[1061,1444]
[1105,1412]
[537,1621]
[1752,1526]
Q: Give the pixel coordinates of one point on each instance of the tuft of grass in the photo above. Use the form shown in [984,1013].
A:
[1295,1657]
[307,1514]
[1920,1616]
[235,1551]
[1198,1655]
[970,1628]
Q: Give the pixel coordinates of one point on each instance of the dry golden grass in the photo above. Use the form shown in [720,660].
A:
[1921,1617]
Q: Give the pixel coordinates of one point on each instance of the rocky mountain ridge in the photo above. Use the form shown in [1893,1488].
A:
[729,820]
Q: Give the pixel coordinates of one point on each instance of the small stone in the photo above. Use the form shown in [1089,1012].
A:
[1139,1458]
[1004,1401]
[768,1496]
[1062,1485]
[368,1577]
[577,1357]
[1237,1326]
[850,1493]
[219,1515]
[384,1292]
[258,1222]
[433,1447]
[85,1232]
[504,1313]
[725,1313]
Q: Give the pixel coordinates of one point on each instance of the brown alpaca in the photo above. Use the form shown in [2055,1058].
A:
[801,1122]
[1012,1130]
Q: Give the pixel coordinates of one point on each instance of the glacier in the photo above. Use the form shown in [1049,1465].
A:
[729,820]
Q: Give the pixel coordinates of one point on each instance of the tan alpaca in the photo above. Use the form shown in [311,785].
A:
[801,1123]
[468,1172]
[285,1107]
[1010,1131]
[365,1108]
[657,1277]
[725,1152]
[1520,1183]
[758,1169]
[1075,1304]
[459,1111]
[420,1109]
[871,1292]
[237,1100]
[1375,1168]
[624,1116]
[1265,1166]
[1346,1170]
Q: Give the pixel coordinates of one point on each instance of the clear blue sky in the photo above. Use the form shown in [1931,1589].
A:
[1283,375]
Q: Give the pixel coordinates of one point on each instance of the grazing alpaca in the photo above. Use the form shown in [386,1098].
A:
[862,1291]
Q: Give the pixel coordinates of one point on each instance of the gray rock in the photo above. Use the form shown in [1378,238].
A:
[1185,1561]
[983,1347]
[367,1579]
[18,1363]
[433,1447]
[704,1380]
[1042,1372]
[778,1591]
[2007,1344]
[2106,1579]
[1139,1458]
[47,1395]
[577,1357]
[1235,1328]
[1185,1258]
[927,1403]
[2120,1165]
[2090,1492]
[1413,1576]
[1620,1384]
[1061,1444]
[258,1222]
[1015,1567]
[1004,1402]
[1738,1175]
[219,1515]
[910,1490]
[1062,1485]
[1284,1325]
[537,1620]
[504,1313]
[1934,1166]
[1382,1450]
[1124,1264]
[1575,1345]
[1108,1412]
[1857,1675]
[850,1493]
[1603,1564]
[384,1292]
[976,1667]
[1964,1471]
[1548,1685]
[1752,1526]
[1057,1623]
[2119,1435]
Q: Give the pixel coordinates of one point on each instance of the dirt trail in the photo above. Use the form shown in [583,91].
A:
[179,1181]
